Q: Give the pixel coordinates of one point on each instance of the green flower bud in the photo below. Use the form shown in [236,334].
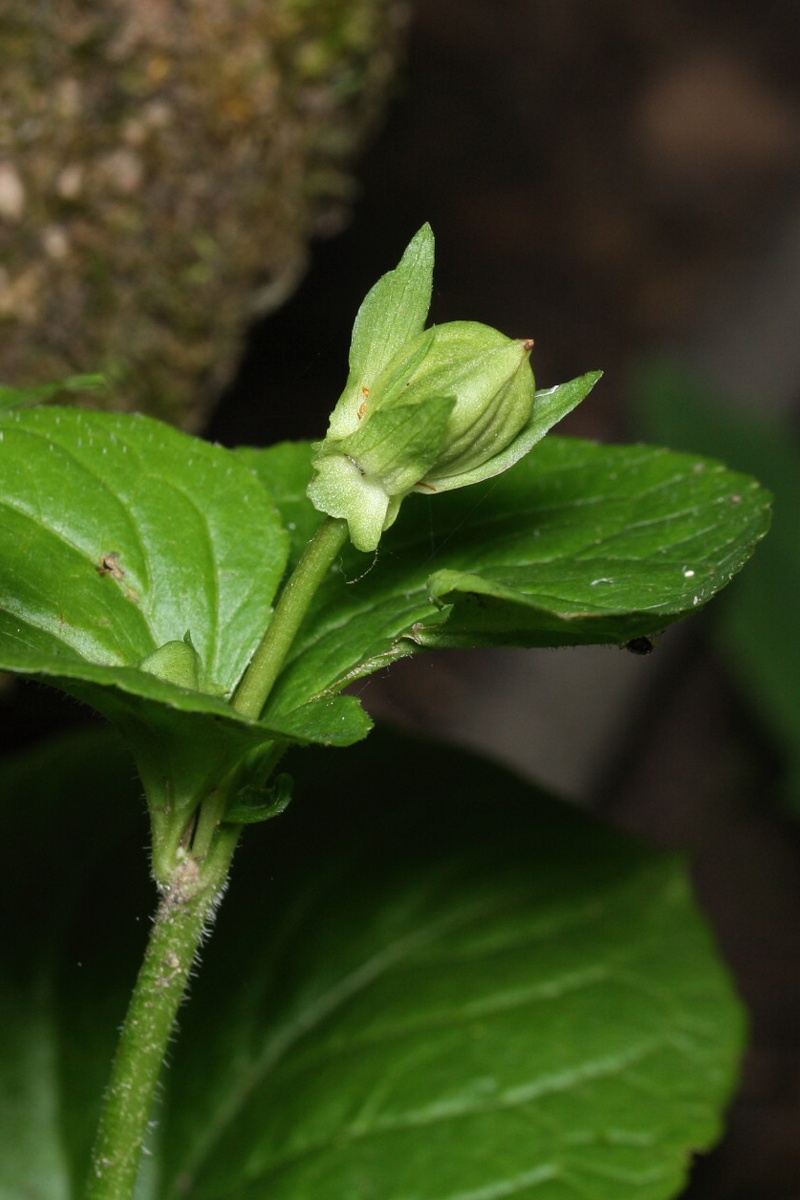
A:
[438,416]
[426,410]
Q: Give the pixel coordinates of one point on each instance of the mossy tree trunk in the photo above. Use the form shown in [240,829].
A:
[162,169]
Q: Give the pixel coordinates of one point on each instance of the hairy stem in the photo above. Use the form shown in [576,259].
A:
[292,606]
[184,912]
[189,898]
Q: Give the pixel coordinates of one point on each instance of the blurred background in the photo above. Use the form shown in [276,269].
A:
[621,182]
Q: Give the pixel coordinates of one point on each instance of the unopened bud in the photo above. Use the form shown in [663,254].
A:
[425,410]
[451,400]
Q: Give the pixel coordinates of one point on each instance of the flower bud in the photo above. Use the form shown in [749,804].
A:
[443,412]
[426,410]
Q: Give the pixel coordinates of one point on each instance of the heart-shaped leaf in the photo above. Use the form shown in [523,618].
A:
[579,543]
[119,534]
[457,988]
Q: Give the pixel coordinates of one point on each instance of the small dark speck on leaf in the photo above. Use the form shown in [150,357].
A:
[110,565]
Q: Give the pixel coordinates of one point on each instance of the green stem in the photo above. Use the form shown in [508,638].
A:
[187,905]
[295,598]
[183,914]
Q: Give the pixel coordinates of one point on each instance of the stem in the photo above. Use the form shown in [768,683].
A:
[187,905]
[297,595]
[183,914]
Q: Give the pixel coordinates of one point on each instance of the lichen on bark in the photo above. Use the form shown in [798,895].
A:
[162,169]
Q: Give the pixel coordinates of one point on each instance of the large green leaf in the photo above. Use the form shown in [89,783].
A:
[119,534]
[579,543]
[429,983]
[121,537]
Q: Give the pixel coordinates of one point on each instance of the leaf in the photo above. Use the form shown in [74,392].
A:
[285,469]
[578,543]
[757,624]
[120,538]
[328,720]
[26,397]
[255,803]
[461,989]
[123,543]
[550,405]
[120,534]
[77,901]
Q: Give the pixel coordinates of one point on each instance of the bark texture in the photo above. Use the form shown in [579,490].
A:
[163,166]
